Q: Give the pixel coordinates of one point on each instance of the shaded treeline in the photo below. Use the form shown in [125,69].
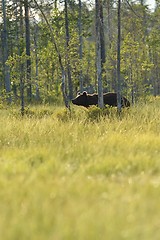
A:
[29,63]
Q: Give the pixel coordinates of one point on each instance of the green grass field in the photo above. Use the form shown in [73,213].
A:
[78,178]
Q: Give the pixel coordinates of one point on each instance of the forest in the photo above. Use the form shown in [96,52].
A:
[79,173]
[49,49]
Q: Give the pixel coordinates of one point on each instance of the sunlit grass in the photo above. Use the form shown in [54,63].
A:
[72,176]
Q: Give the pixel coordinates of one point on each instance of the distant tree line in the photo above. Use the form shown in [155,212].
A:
[53,49]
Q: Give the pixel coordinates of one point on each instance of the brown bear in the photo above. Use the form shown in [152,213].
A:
[84,99]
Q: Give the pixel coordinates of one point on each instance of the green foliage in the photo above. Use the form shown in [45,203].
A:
[92,114]
[34,112]
[63,115]
[96,113]
[140,58]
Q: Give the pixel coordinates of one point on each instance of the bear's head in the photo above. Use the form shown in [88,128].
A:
[81,99]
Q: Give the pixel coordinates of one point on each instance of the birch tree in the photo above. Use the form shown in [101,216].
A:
[28,53]
[80,45]
[63,85]
[21,64]
[98,54]
[36,59]
[119,58]
[70,87]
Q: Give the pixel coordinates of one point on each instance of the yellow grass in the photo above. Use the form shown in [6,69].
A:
[74,177]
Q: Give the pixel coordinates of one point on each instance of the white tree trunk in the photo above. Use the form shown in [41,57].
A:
[98,56]
[119,58]
[80,45]
[63,87]
[27,23]
[70,87]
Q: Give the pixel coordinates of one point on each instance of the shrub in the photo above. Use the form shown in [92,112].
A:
[63,115]
[95,113]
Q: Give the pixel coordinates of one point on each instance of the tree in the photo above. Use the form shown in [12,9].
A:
[102,38]
[119,58]
[63,86]
[36,59]
[28,51]
[80,45]
[70,87]
[136,64]
[5,53]
[99,53]
[154,44]
[66,41]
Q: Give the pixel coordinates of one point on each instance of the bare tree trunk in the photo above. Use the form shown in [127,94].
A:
[119,59]
[21,64]
[63,88]
[29,87]
[109,22]
[80,45]
[102,38]
[5,54]
[98,55]
[70,87]
[36,59]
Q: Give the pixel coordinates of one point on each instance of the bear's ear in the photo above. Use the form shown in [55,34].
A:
[84,93]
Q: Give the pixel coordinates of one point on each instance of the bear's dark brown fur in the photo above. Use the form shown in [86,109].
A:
[84,99]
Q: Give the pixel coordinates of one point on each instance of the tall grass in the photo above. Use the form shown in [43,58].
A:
[76,176]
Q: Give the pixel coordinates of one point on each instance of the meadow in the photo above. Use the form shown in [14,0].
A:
[79,176]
